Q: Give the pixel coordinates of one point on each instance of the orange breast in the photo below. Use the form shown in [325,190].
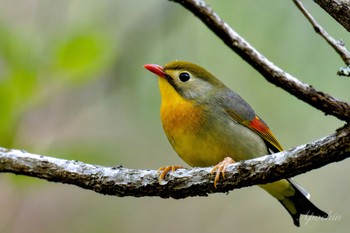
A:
[178,114]
[181,119]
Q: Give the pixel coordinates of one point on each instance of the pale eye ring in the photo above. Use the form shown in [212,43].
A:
[184,77]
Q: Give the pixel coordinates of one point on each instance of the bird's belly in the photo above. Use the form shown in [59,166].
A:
[208,143]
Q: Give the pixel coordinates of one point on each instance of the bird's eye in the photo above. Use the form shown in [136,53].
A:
[184,77]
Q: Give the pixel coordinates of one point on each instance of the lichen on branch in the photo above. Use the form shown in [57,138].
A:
[119,181]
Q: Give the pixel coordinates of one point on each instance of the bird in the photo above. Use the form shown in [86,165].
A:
[208,124]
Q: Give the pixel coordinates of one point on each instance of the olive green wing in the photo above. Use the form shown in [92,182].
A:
[240,111]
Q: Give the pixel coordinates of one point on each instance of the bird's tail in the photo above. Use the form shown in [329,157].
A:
[294,198]
[302,204]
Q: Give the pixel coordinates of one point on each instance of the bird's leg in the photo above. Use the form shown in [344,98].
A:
[164,170]
[220,168]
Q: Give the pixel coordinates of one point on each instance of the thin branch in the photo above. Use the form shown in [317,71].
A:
[274,74]
[338,46]
[183,183]
[338,9]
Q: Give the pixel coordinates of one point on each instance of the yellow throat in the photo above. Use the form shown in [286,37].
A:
[181,119]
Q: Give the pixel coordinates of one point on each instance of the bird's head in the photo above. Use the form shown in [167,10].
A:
[189,80]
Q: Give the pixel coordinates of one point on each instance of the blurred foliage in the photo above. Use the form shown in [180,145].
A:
[18,81]
[82,55]
[72,85]
[27,72]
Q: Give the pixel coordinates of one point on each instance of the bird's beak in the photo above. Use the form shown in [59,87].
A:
[156,69]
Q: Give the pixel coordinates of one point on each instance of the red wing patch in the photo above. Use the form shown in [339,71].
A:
[259,127]
[263,130]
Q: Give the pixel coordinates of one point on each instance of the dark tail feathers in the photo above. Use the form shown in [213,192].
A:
[303,205]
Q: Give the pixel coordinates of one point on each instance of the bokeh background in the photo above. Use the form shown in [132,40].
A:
[73,86]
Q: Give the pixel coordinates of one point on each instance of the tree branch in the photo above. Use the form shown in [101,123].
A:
[271,72]
[183,183]
[338,9]
[336,45]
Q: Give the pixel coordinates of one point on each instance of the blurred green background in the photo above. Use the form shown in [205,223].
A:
[73,86]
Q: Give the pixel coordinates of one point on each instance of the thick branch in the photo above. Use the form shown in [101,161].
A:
[183,183]
[338,9]
[274,74]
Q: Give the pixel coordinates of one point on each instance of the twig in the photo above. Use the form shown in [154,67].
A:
[344,71]
[338,46]
[271,72]
[183,183]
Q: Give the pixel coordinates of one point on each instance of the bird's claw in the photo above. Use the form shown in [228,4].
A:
[220,168]
[164,170]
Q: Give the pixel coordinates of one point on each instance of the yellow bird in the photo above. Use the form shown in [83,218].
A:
[209,124]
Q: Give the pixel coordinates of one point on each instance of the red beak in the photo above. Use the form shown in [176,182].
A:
[156,69]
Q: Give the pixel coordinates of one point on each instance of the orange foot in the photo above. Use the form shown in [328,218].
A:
[166,169]
[220,168]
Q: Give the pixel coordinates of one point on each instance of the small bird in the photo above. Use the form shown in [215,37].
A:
[208,124]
